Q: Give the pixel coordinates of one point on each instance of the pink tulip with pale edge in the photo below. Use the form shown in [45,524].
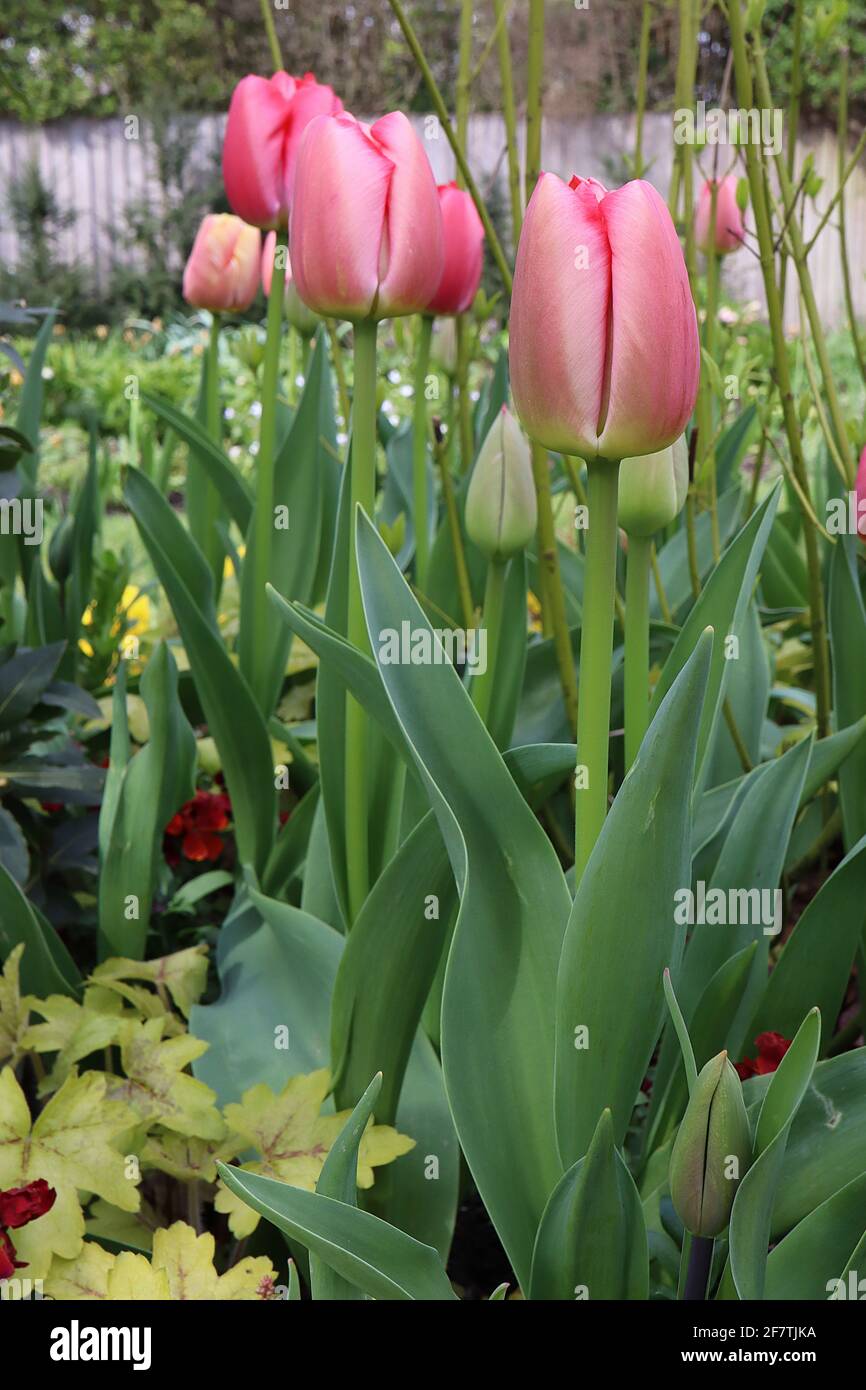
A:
[266,122]
[605,356]
[222,273]
[729,229]
[464,252]
[366,230]
[860,489]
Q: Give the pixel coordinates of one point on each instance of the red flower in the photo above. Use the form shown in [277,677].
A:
[8,1262]
[19,1205]
[202,844]
[771,1049]
[196,824]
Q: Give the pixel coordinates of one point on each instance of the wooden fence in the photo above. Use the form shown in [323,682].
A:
[96,168]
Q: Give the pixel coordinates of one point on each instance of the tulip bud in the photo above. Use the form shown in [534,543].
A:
[860,489]
[729,233]
[464,252]
[366,232]
[443,347]
[652,489]
[60,549]
[267,118]
[296,311]
[712,1150]
[604,349]
[501,511]
[222,272]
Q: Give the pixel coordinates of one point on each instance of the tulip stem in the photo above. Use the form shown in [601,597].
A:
[596,650]
[255,646]
[642,69]
[534,94]
[506,81]
[636,644]
[419,450]
[464,415]
[210,497]
[273,41]
[443,454]
[763,226]
[441,110]
[494,596]
[554,616]
[362,482]
[202,498]
[700,1259]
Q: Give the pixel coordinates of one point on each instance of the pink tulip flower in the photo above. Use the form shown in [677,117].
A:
[296,311]
[222,273]
[464,252]
[605,357]
[729,231]
[366,230]
[860,489]
[267,119]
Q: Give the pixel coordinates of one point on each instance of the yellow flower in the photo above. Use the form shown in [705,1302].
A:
[136,606]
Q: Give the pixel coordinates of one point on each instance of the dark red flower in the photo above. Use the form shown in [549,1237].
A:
[196,824]
[202,844]
[18,1205]
[771,1049]
[8,1262]
[51,806]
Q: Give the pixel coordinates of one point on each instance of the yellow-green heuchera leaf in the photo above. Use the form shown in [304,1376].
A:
[294,1138]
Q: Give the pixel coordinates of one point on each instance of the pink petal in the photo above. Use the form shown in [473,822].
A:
[338,217]
[654,349]
[413,256]
[559,316]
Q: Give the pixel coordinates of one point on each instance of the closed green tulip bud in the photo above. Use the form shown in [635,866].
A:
[712,1150]
[501,510]
[652,489]
[60,549]
[443,347]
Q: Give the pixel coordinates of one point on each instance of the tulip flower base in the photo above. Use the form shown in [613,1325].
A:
[433,712]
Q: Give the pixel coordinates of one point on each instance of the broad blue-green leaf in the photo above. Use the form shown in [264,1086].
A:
[339,1179]
[621,932]
[46,965]
[711,1022]
[156,781]
[673,557]
[751,862]
[752,1213]
[277,966]
[847,618]
[387,968]
[287,857]
[24,676]
[722,605]
[827,1140]
[748,693]
[817,1251]
[232,715]
[815,965]
[29,416]
[828,755]
[378,1258]
[592,1240]
[234,491]
[14,855]
[295,546]
[498,999]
